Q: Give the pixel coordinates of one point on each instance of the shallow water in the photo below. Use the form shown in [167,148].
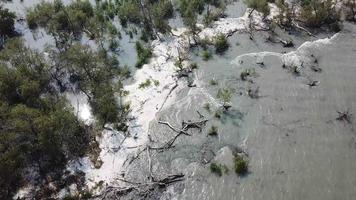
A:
[296,148]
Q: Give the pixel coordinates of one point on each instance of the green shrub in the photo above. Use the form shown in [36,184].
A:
[221,44]
[193,66]
[143,54]
[259,5]
[240,164]
[38,127]
[7,22]
[204,43]
[58,18]
[213,131]
[206,55]
[218,169]
[212,16]
[40,15]
[218,114]
[316,13]
[156,82]
[213,82]
[225,95]
[145,84]
[129,11]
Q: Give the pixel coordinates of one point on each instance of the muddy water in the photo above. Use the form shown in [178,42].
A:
[297,149]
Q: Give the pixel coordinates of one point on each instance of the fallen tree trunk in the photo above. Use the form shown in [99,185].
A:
[140,190]
[303,29]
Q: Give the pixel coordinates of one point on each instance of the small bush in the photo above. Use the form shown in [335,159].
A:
[145,84]
[316,13]
[259,5]
[221,44]
[218,169]
[143,54]
[7,22]
[218,114]
[213,82]
[225,95]
[113,45]
[204,43]
[213,131]
[212,16]
[156,82]
[193,66]
[130,12]
[241,165]
[206,55]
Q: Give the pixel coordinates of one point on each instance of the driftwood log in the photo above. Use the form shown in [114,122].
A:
[139,189]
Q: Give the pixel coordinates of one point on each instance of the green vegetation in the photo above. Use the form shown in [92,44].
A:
[7,22]
[145,84]
[130,11]
[206,55]
[351,10]
[204,43]
[57,18]
[221,44]
[93,73]
[218,169]
[212,16]
[37,127]
[95,21]
[218,113]
[152,14]
[225,95]
[213,131]
[259,5]
[161,11]
[193,66]
[143,54]
[213,82]
[285,16]
[241,165]
[189,10]
[156,82]
[316,13]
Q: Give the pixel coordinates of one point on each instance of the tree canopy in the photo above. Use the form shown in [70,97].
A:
[38,128]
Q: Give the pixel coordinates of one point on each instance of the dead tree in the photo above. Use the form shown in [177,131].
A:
[344,116]
[140,190]
[185,127]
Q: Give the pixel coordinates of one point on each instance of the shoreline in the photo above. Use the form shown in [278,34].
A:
[146,103]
